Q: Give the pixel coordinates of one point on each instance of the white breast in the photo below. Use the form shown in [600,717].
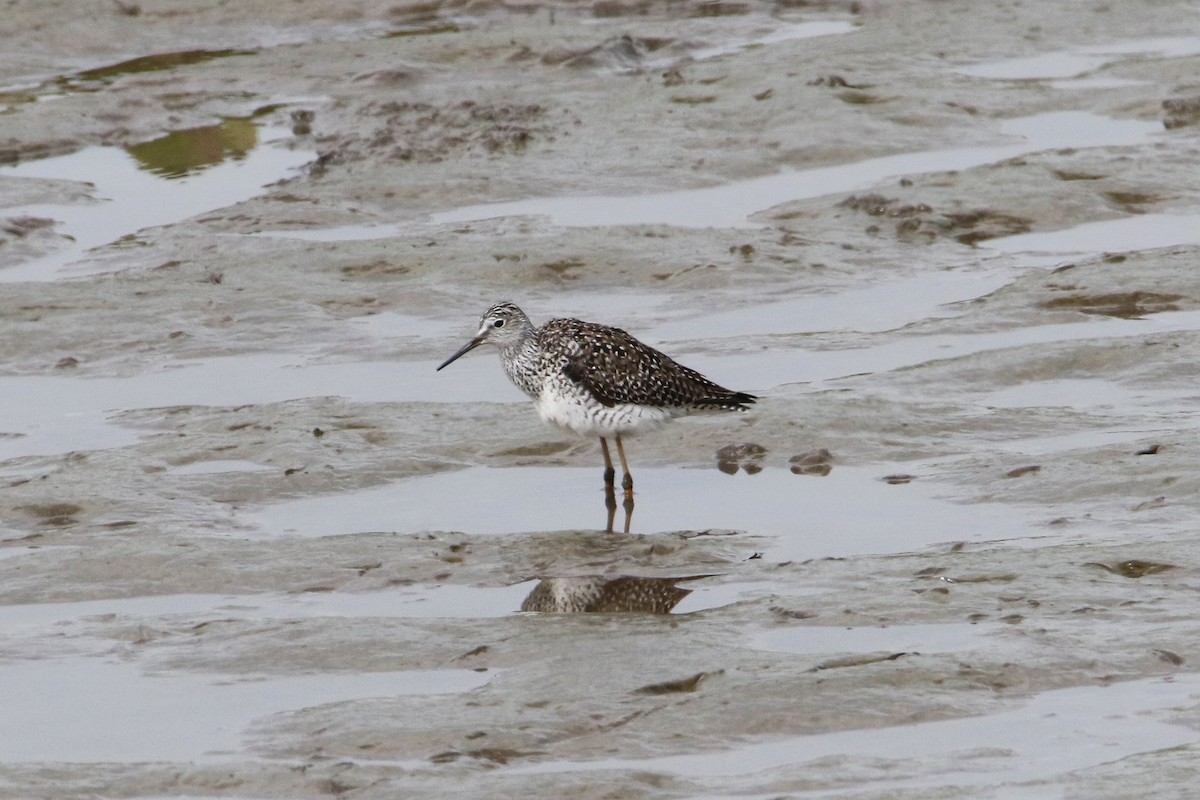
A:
[570,407]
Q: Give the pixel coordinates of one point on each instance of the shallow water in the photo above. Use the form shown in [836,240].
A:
[131,195]
[1140,232]
[1072,63]
[1049,735]
[52,707]
[851,511]
[732,204]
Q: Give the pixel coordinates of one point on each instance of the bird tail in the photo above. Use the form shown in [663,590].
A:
[732,401]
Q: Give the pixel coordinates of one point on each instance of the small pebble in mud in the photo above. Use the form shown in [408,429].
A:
[1171,658]
[1181,111]
[1151,450]
[898,479]
[318,433]
[746,456]
[814,462]
[1020,471]
[302,121]
[1133,568]
[689,684]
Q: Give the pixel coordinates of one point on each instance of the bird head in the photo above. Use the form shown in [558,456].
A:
[502,325]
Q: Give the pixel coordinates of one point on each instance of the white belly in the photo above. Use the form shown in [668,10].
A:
[582,414]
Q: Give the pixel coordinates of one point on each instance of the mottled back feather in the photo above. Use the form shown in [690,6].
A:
[616,368]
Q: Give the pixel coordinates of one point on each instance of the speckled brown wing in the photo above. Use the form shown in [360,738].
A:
[616,368]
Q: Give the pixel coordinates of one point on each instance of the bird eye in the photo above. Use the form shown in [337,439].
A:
[498,323]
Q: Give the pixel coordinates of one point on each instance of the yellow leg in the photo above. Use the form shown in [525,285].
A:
[627,481]
[609,473]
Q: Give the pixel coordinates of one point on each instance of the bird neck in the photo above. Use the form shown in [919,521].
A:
[520,359]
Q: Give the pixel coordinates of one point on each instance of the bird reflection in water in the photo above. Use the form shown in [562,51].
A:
[610,505]
[595,594]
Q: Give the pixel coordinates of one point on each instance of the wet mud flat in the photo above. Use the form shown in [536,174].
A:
[253,546]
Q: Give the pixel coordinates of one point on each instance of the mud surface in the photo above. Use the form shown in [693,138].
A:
[253,546]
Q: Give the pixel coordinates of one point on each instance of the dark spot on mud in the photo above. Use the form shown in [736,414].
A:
[874,204]
[544,449]
[681,685]
[856,661]
[746,457]
[1151,450]
[22,226]
[426,30]
[68,362]
[1133,568]
[859,98]
[694,100]
[429,133]
[787,613]
[898,479]
[50,510]
[561,268]
[837,82]
[318,433]
[157,62]
[1131,201]
[1174,659]
[475,651]
[493,755]
[377,268]
[720,8]
[814,462]
[1067,175]
[1126,305]
[1181,111]
[1019,471]
[987,225]
[921,219]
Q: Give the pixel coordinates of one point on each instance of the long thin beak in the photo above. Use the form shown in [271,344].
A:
[466,348]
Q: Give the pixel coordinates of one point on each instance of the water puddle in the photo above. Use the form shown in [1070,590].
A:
[51,708]
[731,205]
[1139,232]
[1072,63]
[851,511]
[1093,395]
[210,168]
[885,306]
[1047,737]
[55,414]
[787,33]
[759,370]
[219,467]
[188,151]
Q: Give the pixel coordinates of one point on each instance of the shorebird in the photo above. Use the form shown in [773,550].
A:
[596,380]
